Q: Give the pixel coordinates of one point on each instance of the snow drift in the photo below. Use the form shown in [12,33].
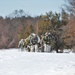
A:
[14,62]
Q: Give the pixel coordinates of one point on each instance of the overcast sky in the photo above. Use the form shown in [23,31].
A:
[32,7]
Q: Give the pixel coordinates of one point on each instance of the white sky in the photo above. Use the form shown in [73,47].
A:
[33,7]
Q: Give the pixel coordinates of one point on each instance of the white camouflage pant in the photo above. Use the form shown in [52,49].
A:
[47,48]
[34,48]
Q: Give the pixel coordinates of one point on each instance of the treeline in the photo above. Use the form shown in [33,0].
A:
[14,27]
[19,25]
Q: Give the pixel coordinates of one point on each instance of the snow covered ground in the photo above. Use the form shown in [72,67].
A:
[14,62]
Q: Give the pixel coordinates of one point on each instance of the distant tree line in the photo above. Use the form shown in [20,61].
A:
[19,25]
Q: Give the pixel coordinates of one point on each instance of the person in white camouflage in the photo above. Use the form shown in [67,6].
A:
[21,44]
[34,42]
[46,38]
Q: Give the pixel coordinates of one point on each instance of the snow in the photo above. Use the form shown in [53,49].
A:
[15,62]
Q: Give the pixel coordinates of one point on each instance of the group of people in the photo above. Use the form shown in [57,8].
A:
[34,43]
